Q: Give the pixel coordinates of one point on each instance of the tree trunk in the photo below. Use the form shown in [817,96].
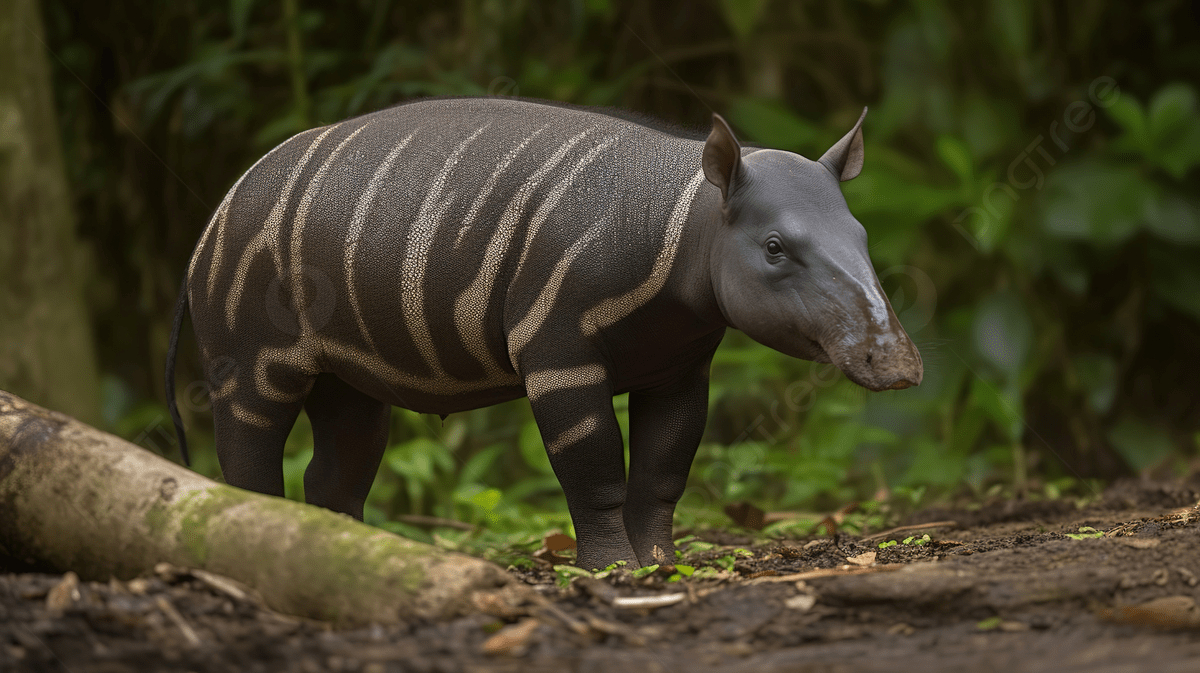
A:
[75,498]
[46,350]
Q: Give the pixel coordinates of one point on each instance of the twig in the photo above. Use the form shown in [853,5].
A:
[219,583]
[917,526]
[173,614]
[658,601]
[557,612]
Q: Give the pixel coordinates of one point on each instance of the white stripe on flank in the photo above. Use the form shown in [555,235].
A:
[356,227]
[268,237]
[303,354]
[556,194]
[298,222]
[218,223]
[613,309]
[416,257]
[490,185]
[521,335]
[549,380]
[469,310]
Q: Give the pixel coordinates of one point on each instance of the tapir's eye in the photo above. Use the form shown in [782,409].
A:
[774,248]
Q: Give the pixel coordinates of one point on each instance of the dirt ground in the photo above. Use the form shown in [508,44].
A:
[1002,588]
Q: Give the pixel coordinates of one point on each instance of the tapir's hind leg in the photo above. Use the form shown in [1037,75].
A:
[350,431]
[250,435]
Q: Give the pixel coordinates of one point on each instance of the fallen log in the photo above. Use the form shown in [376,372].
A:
[75,498]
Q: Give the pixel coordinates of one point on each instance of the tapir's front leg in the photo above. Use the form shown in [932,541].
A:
[573,409]
[664,430]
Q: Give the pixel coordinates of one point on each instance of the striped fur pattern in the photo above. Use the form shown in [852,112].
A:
[442,256]
[445,255]
[457,237]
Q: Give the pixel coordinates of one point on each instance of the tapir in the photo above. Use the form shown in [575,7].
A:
[450,254]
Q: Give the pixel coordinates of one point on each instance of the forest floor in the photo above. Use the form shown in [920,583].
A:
[1000,588]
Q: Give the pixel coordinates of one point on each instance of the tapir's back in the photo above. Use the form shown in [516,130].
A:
[429,243]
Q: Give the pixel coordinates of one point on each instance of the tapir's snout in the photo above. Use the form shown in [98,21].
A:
[888,361]
[878,355]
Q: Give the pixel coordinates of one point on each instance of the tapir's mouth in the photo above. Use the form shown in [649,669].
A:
[813,350]
[881,369]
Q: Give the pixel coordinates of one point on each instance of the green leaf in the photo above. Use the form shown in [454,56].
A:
[480,464]
[645,571]
[957,156]
[1174,129]
[1002,405]
[1127,112]
[1181,152]
[1172,107]
[485,502]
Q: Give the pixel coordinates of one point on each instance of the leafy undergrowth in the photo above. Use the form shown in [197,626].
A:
[1014,585]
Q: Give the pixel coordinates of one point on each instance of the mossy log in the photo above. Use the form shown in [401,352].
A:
[75,498]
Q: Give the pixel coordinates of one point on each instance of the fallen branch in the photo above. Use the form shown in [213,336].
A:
[75,498]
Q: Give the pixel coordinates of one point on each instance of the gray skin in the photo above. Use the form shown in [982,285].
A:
[792,234]
[447,255]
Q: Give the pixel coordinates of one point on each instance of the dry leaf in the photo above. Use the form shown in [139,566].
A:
[511,639]
[864,559]
[64,593]
[558,542]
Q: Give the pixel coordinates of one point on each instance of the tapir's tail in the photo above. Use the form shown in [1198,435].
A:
[180,309]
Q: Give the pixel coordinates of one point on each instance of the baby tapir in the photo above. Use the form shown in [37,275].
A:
[450,254]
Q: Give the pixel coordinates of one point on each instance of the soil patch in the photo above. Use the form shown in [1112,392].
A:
[1033,586]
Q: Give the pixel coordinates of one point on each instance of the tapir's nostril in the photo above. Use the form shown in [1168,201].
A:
[870,356]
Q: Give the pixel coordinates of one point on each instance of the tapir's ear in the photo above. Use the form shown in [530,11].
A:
[845,158]
[722,157]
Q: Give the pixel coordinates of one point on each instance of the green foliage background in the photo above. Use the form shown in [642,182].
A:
[1029,191]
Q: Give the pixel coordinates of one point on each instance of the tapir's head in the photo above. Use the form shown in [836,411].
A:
[790,265]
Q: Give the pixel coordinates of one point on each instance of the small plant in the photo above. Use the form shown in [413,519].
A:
[989,624]
[608,570]
[1086,532]
[645,571]
[911,540]
[681,571]
[566,573]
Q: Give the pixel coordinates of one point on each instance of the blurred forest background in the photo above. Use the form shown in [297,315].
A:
[1030,194]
